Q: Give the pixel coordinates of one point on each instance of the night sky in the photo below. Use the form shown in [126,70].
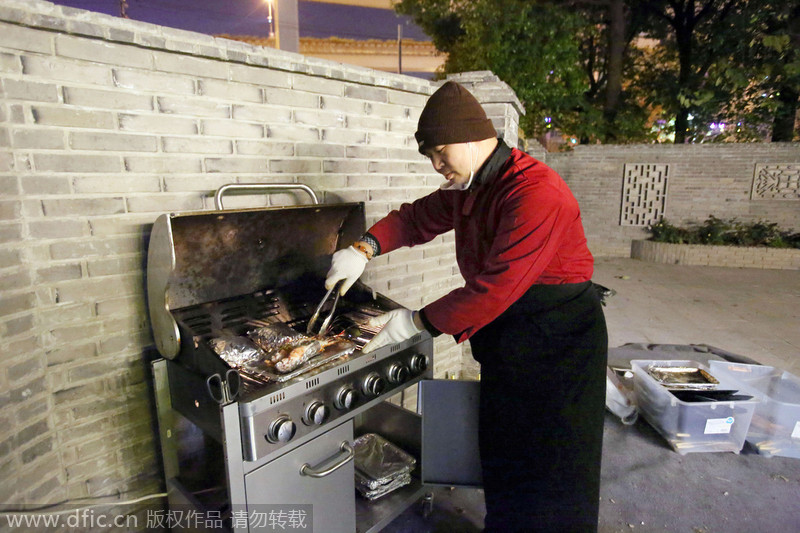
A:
[249,17]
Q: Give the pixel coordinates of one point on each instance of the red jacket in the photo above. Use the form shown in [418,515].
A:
[517,226]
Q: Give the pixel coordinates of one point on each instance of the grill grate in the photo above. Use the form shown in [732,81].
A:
[291,305]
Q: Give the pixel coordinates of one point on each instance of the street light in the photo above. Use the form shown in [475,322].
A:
[282,16]
[272,33]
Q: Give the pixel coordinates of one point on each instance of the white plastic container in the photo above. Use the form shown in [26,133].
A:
[775,427]
[713,426]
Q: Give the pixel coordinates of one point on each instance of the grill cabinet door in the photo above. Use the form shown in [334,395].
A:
[279,496]
[449,411]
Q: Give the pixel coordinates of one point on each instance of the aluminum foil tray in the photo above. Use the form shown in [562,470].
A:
[682,377]
[261,370]
[253,365]
[363,486]
[378,461]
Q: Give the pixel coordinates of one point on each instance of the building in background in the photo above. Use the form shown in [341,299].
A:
[367,33]
[411,57]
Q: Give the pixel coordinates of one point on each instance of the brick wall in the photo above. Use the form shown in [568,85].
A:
[106,123]
[721,256]
[703,180]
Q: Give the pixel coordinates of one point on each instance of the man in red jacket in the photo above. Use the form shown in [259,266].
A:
[534,322]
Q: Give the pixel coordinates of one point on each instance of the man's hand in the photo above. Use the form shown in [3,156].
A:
[398,325]
[347,265]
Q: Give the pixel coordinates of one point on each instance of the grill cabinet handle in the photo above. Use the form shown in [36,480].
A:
[269,188]
[349,453]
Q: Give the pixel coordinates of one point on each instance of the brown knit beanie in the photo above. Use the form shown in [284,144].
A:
[452,115]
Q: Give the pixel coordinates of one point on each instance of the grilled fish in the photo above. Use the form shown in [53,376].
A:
[302,352]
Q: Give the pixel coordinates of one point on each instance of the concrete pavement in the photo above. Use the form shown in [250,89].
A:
[646,486]
[751,312]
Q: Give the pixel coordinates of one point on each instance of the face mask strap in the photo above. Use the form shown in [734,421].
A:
[472,160]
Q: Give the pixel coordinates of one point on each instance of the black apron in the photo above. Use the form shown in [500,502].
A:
[541,410]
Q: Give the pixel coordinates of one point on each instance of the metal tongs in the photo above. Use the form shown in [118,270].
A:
[315,317]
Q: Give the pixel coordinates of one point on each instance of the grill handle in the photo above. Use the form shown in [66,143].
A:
[269,188]
[349,453]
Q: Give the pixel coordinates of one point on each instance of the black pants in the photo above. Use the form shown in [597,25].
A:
[541,410]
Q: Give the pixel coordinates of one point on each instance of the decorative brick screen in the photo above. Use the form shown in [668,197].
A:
[776,182]
[644,194]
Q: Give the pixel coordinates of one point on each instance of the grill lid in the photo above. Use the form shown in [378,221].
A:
[194,258]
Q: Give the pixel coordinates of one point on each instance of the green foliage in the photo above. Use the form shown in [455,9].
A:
[768,56]
[778,43]
[715,231]
[680,80]
[535,47]
[663,231]
[734,63]
[740,67]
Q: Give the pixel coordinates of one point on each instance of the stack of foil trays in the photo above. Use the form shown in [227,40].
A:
[381,467]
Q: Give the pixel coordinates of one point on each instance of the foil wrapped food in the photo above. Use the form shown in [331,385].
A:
[276,352]
[381,467]
[273,337]
[236,351]
[295,354]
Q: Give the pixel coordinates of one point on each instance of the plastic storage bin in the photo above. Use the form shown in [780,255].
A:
[713,426]
[775,428]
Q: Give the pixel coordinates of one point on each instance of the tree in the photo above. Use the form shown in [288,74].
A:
[698,33]
[771,56]
[573,85]
[745,79]
[617,42]
[529,45]
[575,67]
[609,58]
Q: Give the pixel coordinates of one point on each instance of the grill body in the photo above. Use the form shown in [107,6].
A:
[215,272]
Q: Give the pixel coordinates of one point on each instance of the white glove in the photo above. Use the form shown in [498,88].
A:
[398,325]
[347,265]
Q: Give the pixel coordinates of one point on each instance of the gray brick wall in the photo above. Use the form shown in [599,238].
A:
[704,180]
[106,123]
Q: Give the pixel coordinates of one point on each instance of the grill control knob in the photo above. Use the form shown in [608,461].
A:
[398,373]
[281,430]
[345,398]
[418,363]
[373,384]
[316,413]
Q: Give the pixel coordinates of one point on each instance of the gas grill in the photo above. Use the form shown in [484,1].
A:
[234,440]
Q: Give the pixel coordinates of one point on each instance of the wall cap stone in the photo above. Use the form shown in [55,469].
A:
[491,88]
[722,147]
[48,16]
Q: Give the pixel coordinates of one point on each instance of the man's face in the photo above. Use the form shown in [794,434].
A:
[453,161]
